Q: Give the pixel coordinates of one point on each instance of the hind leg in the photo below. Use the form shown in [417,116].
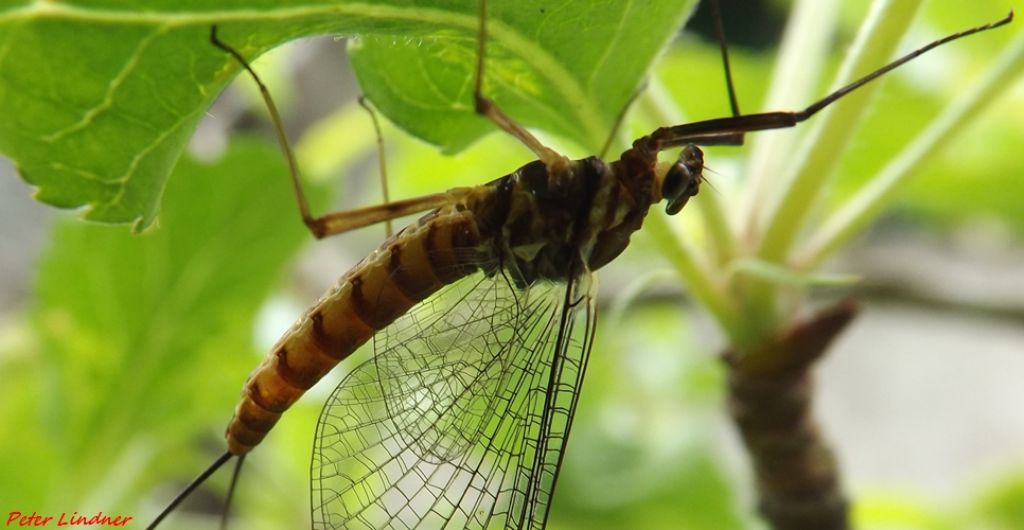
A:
[490,110]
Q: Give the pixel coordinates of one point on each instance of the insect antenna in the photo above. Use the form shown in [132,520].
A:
[730,131]
[191,487]
[829,99]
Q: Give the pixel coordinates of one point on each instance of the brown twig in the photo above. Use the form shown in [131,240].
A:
[770,400]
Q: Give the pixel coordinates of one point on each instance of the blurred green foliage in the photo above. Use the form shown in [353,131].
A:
[122,372]
[135,335]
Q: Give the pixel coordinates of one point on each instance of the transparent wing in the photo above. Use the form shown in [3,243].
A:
[461,418]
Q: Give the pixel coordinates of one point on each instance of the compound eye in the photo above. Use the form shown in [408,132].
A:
[674,187]
[679,185]
[674,179]
[683,179]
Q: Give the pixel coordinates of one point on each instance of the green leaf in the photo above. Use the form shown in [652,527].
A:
[99,98]
[567,68]
[125,322]
[782,275]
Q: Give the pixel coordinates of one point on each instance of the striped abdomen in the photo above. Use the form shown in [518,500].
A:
[402,272]
[535,224]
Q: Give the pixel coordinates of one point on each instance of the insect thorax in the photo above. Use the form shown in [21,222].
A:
[544,225]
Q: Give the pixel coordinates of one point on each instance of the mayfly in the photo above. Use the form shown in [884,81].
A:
[482,318]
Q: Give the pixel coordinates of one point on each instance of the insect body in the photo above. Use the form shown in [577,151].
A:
[482,320]
[529,237]
[531,225]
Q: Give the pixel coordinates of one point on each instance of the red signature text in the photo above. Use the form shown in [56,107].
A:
[65,519]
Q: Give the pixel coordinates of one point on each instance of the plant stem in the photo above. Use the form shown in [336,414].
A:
[720,232]
[770,400]
[820,152]
[864,207]
[698,277]
[795,77]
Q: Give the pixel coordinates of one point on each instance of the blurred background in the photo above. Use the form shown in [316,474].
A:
[122,355]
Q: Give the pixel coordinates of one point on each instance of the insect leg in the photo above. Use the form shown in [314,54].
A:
[729,131]
[380,156]
[282,138]
[716,15]
[335,222]
[487,108]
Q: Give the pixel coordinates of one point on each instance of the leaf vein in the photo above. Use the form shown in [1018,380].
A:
[586,116]
[108,98]
[599,65]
